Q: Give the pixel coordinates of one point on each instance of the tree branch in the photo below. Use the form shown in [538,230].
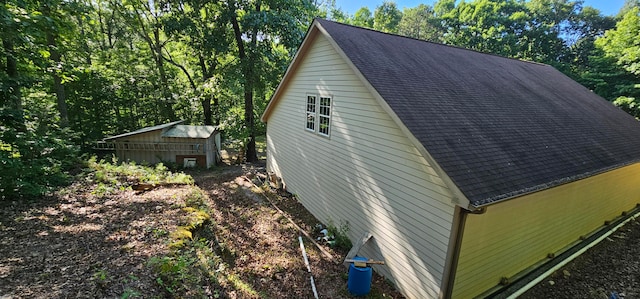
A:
[170,60]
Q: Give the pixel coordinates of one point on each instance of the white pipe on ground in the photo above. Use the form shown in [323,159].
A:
[322,250]
[306,262]
[570,258]
[304,254]
[313,287]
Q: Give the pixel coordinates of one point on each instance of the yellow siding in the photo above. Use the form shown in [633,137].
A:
[514,235]
[367,173]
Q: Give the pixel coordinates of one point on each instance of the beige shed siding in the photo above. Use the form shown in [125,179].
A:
[147,156]
[159,156]
[367,173]
[513,235]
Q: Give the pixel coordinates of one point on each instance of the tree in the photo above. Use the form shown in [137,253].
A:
[363,18]
[622,44]
[10,25]
[145,18]
[338,15]
[420,22]
[499,27]
[204,27]
[549,21]
[53,25]
[258,27]
[587,25]
[628,5]
[443,7]
[386,17]
[35,153]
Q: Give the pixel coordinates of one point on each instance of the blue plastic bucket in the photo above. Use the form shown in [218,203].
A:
[359,282]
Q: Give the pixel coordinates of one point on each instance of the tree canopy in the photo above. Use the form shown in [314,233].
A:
[73,72]
[601,52]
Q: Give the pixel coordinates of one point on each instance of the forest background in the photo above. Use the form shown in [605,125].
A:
[76,71]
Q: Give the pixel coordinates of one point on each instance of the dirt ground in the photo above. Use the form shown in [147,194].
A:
[81,245]
[78,245]
[268,256]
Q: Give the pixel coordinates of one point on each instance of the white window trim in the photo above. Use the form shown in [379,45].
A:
[316,114]
[320,115]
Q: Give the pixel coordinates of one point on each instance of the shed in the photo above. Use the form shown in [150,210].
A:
[468,169]
[173,142]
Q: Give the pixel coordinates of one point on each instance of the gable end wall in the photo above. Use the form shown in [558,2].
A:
[367,174]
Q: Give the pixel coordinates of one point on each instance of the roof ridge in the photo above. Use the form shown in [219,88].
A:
[432,42]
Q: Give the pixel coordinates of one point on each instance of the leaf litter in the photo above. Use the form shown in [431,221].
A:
[85,244]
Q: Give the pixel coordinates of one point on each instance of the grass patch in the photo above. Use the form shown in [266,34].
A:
[113,175]
[242,286]
[189,270]
[130,293]
[193,266]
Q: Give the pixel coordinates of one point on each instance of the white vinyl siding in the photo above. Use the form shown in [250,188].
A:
[368,173]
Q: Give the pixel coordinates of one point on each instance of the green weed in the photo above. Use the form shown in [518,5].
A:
[192,262]
[115,174]
[340,235]
[101,278]
[130,293]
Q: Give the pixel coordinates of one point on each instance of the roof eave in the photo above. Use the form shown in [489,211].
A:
[524,192]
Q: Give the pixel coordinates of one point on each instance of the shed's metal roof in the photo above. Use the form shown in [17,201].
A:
[145,130]
[186,131]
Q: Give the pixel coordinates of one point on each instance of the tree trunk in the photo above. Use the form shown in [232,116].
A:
[103,32]
[157,48]
[216,110]
[15,97]
[57,80]
[206,110]
[251,154]
[206,101]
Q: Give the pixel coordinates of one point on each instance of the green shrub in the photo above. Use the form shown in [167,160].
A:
[339,235]
[33,161]
[129,173]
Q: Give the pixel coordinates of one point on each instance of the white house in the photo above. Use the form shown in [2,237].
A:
[467,168]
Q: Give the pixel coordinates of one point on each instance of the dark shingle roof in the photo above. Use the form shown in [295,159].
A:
[498,127]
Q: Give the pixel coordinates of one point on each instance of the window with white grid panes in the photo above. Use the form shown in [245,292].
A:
[311,113]
[324,116]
